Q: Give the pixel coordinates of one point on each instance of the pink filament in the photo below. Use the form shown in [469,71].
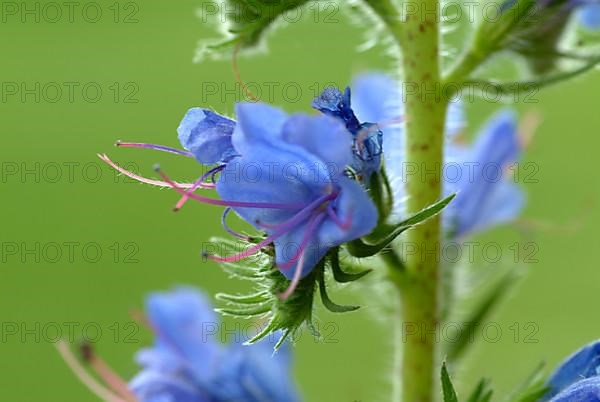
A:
[344,225]
[99,390]
[228,229]
[310,231]
[281,230]
[139,178]
[155,147]
[198,183]
[241,204]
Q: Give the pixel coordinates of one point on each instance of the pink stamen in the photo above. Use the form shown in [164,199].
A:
[155,147]
[310,231]
[228,229]
[344,225]
[110,378]
[139,178]
[240,204]
[198,183]
[281,230]
[94,386]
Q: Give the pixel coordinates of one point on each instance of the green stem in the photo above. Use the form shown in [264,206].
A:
[425,111]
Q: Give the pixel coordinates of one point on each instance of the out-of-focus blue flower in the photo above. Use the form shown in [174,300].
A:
[585,363]
[583,391]
[367,136]
[589,15]
[290,182]
[486,196]
[207,135]
[186,364]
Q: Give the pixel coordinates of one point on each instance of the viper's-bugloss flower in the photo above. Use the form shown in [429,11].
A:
[301,162]
[568,382]
[481,201]
[188,363]
[484,199]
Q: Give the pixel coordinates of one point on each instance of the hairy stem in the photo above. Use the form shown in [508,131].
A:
[417,35]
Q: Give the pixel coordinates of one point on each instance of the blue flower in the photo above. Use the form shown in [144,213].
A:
[486,194]
[187,364]
[583,391]
[481,201]
[585,363]
[285,175]
[589,15]
[207,136]
[290,182]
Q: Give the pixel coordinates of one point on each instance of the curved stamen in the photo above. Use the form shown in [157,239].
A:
[139,178]
[228,229]
[94,386]
[110,378]
[344,225]
[240,204]
[281,230]
[156,147]
[199,183]
[313,225]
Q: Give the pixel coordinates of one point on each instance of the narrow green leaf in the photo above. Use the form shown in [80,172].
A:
[481,393]
[360,249]
[456,349]
[447,387]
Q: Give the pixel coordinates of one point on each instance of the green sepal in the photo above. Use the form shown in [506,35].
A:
[360,249]
[481,311]
[247,20]
[330,305]
[250,311]
[339,274]
[482,392]
[260,297]
[447,387]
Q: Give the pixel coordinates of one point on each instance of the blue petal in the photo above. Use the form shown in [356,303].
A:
[257,122]
[589,15]
[583,391]
[582,364]
[322,136]
[184,321]
[353,205]
[255,374]
[207,136]
[152,386]
[485,196]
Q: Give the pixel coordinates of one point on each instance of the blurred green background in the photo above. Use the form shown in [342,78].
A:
[54,191]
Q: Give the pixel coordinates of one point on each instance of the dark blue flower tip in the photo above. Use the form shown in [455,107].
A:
[333,103]
[583,391]
[207,135]
[188,363]
[582,364]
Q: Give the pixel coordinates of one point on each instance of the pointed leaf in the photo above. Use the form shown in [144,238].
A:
[339,274]
[329,305]
[447,387]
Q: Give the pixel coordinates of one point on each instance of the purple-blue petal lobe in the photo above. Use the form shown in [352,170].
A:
[207,135]
[589,15]
[583,391]
[584,363]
